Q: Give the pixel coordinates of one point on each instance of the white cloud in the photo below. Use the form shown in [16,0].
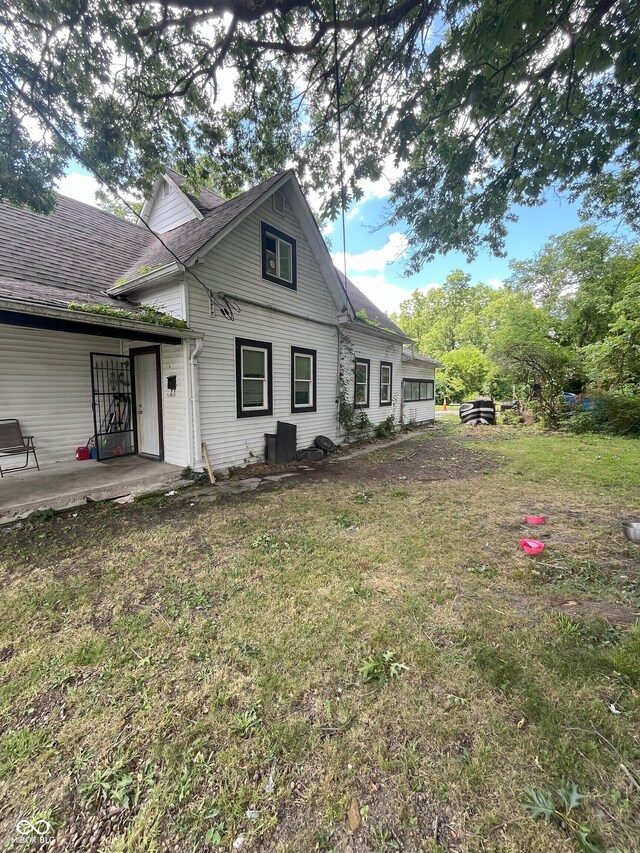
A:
[80,187]
[496,283]
[374,260]
[385,295]
[377,189]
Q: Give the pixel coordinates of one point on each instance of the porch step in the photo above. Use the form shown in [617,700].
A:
[59,490]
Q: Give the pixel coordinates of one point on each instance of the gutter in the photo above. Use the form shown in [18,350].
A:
[89,319]
[156,276]
[379,332]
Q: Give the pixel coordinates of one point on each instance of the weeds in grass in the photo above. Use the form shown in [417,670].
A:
[364,497]
[346,520]
[379,669]
[21,745]
[249,650]
[558,805]
[117,784]
[265,542]
[359,591]
[381,839]
[625,659]
[245,722]
[155,626]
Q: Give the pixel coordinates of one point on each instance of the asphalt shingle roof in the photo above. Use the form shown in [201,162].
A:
[205,201]
[72,255]
[407,356]
[185,240]
[360,302]
[78,252]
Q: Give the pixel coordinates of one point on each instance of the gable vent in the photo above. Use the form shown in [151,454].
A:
[166,189]
[279,202]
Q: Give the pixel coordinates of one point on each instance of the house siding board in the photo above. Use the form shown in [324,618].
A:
[174,407]
[424,410]
[170,212]
[169,298]
[238,441]
[50,390]
[357,344]
[235,267]
[46,384]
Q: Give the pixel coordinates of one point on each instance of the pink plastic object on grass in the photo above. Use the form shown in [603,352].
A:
[535,519]
[532,546]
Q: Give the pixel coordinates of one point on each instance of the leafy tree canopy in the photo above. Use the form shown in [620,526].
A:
[567,319]
[484,102]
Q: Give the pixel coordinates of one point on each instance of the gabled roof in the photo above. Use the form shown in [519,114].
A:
[78,253]
[205,201]
[360,302]
[186,240]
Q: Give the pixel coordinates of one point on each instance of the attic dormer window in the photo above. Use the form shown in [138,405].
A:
[278,257]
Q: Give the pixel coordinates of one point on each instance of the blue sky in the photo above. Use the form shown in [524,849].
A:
[375,255]
[371,254]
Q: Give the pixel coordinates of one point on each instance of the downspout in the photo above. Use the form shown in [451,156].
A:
[195,403]
[338,385]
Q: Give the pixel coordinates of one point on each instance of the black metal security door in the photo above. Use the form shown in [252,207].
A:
[112,387]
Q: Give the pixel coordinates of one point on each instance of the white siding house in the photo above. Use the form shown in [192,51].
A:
[418,387]
[374,359]
[256,327]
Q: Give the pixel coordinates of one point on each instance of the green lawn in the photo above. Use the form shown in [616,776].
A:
[175,675]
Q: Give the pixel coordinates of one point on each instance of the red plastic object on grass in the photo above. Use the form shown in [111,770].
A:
[535,519]
[532,546]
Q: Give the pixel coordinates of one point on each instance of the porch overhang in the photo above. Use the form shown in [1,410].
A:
[34,316]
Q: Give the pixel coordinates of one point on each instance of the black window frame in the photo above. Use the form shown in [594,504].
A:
[296,408]
[293,284]
[358,361]
[268,348]
[388,402]
[429,390]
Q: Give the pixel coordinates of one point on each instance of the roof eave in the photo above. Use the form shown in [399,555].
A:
[380,331]
[89,319]
[156,276]
[432,362]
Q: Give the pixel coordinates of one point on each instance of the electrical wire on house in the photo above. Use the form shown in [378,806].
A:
[228,308]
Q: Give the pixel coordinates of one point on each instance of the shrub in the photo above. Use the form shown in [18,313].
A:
[613,414]
[386,429]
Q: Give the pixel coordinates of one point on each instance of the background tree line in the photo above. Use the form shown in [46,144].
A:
[568,319]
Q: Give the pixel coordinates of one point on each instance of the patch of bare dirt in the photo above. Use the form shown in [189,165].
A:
[436,458]
[615,614]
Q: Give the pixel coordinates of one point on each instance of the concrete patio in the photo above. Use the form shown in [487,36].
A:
[67,484]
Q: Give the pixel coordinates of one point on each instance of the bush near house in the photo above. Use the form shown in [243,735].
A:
[612,414]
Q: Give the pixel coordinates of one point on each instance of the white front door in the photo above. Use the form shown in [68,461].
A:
[147,408]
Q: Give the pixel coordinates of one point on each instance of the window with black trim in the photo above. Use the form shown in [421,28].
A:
[303,379]
[361,382]
[418,390]
[386,382]
[279,260]
[254,375]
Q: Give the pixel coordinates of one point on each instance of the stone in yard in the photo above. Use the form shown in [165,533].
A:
[353,815]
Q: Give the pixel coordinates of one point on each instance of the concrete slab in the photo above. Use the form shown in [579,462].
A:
[66,484]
